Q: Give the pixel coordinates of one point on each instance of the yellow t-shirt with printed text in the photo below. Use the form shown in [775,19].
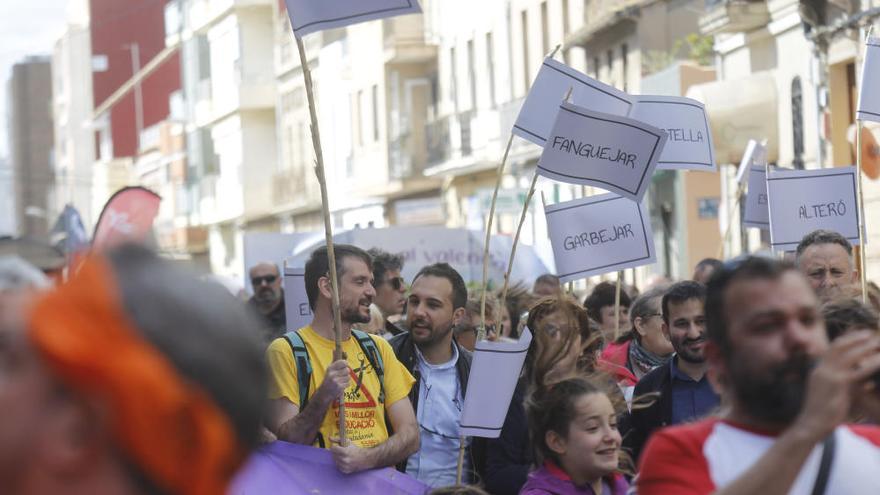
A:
[364,414]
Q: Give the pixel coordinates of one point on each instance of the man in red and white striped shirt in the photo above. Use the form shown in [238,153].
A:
[786,394]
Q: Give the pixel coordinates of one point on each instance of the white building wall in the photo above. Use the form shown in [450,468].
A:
[71,107]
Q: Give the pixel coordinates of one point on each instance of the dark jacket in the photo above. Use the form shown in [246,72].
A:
[274,324]
[508,458]
[657,414]
[405,350]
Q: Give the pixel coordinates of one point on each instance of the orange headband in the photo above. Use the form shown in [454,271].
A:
[168,427]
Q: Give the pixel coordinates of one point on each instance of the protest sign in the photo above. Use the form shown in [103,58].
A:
[495,370]
[802,201]
[599,234]
[615,153]
[754,163]
[757,215]
[755,153]
[271,247]
[869,96]
[309,16]
[538,113]
[689,143]
[296,301]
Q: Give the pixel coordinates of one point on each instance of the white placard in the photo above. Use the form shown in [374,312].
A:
[802,201]
[615,153]
[689,143]
[296,302]
[599,234]
[495,369]
[309,16]
[757,213]
[755,154]
[538,113]
[869,90]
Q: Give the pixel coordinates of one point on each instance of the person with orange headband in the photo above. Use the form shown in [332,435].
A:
[132,378]
[308,381]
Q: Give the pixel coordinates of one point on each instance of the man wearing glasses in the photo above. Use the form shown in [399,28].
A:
[390,288]
[268,299]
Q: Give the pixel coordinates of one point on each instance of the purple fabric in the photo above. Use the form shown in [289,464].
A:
[292,469]
[543,482]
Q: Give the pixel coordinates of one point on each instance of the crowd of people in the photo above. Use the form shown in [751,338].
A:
[757,375]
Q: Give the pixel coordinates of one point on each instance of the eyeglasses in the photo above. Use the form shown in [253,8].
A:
[396,283]
[269,279]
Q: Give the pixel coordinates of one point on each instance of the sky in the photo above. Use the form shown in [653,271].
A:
[28,27]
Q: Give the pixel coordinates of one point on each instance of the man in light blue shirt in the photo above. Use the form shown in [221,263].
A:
[436,304]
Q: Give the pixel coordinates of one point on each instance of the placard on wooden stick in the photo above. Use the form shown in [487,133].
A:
[614,153]
[689,143]
[869,95]
[309,16]
[538,113]
[296,302]
[599,234]
[801,201]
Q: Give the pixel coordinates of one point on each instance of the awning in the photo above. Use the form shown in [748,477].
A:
[741,109]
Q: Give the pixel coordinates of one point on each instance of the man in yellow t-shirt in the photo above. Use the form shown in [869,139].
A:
[369,398]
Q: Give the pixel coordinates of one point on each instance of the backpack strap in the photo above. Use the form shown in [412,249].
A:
[372,352]
[303,372]
[303,366]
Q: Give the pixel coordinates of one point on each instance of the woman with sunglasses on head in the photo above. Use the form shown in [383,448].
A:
[563,345]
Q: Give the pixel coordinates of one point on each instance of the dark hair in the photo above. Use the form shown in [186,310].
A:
[643,307]
[318,266]
[714,263]
[553,409]
[743,268]
[208,336]
[604,295]
[547,278]
[443,270]
[383,262]
[822,236]
[680,292]
[847,314]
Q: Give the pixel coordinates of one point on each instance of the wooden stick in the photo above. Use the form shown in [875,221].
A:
[481,329]
[522,219]
[863,271]
[328,227]
[740,190]
[460,469]
[556,49]
[617,307]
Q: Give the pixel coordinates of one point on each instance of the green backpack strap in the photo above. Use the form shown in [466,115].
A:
[372,352]
[303,366]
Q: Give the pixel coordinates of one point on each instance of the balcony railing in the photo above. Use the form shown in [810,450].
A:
[439,145]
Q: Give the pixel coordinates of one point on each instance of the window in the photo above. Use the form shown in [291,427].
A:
[623,54]
[610,60]
[797,122]
[524,21]
[545,30]
[490,62]
[566,25]
[453,73]
[358,118]
[596,67]
[375,112]
[472,74]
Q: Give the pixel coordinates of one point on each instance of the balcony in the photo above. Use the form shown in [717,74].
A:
[205,13]
[733,16]
[406,41]
[289,187]
[255,93]
[438,141]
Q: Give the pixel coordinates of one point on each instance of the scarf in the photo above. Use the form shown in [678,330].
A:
[642,360]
